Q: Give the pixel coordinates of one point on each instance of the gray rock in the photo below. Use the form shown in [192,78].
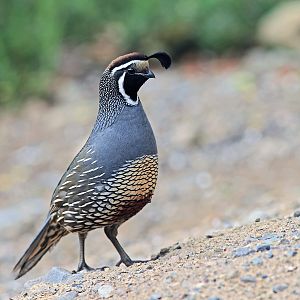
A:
[270,254]
[284,242]
[279,288]
[68,296]
[74,277]
[257,261]
[251,239]
[270,238]
[244,251]
[170,278]
[56,275]
[196,290]
[30,283]
[105,290]
[296,235]
[292,253]
[263,247]
[297,213]
[191,296]
[78,288]
[214,298]
[155,296]
[248,278]
[296,292]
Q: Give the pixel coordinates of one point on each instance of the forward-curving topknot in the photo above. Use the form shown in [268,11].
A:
[163,57]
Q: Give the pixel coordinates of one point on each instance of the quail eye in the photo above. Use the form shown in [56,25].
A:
[130,71]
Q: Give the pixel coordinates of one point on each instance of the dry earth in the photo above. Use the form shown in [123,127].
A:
[228,139]
[257,261]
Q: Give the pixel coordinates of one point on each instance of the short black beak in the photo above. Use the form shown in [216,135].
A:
[149,74]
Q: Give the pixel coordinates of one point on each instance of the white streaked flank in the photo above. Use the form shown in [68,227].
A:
[91,170]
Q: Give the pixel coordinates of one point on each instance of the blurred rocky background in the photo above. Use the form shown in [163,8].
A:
[226,116]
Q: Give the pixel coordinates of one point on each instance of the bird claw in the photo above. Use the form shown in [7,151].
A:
[84,268]
[130,262]
[88,269]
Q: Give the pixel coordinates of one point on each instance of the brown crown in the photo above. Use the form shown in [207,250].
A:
[126,58]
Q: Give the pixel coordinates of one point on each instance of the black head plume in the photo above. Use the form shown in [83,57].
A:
[163,57]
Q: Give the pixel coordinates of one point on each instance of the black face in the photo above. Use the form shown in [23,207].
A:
[131,71]
[133,79]
[132,83]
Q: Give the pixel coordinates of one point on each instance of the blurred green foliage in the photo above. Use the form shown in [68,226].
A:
[32,32]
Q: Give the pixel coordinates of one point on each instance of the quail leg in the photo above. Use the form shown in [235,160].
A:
[82,263]
[112,232]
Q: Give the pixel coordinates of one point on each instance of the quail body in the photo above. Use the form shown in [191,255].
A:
[114,175]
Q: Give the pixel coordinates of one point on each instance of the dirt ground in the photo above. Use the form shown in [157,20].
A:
[228,138]
[257,261]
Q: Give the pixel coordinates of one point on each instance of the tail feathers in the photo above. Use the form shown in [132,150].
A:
[49,235]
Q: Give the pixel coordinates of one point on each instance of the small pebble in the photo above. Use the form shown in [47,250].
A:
[170,278]
[296,292]
[196,290]
[248,278]
[292,253]
[214,298]
[56,275]
[291,268]
[74,277]
[270,237]
[270,254]
[251,239]
[242,251]
[264,276]
[68,296]
[155,296]
[78,287]
[297,213]
[232,274]
[246,266]
[257,261]
[257,220]
[189,297]
[263,247]
[279,288]
[104,290]
[284,242]
[209,236]
[28,284]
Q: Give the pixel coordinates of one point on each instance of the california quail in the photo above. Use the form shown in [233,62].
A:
[114,175]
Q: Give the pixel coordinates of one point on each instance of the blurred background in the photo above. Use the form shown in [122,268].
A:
[226,115]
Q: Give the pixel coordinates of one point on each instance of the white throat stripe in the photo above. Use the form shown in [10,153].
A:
[122,91]
[114,70]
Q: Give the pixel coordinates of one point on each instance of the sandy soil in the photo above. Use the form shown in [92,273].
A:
[257,261]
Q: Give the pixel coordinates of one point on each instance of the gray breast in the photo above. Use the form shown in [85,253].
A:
[128,138]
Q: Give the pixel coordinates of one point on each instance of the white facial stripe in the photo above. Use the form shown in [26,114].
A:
[122,91]
[124,66]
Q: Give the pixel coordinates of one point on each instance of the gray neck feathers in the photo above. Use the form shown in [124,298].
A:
[111,103]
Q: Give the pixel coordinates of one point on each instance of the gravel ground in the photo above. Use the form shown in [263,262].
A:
[257,261]
[228,139]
